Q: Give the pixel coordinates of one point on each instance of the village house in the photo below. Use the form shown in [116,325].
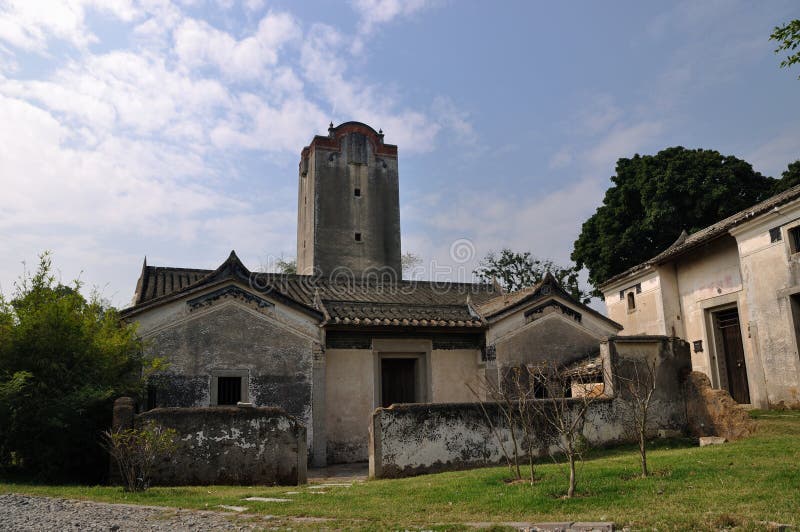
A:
[732,290]
[346,334]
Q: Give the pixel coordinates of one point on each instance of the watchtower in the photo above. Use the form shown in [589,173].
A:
[348,215]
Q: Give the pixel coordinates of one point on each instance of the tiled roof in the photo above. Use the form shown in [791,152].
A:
[372,314]
[498,306]
[500,303]
[685,243]
[352,303]
[158,281]
[585,367]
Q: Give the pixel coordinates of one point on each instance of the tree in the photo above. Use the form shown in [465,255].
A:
[638,385]
[788,38]
[562,414]
[63,360]
[654,197]
[408,263]
[789,178]
[286,266]
[514,271]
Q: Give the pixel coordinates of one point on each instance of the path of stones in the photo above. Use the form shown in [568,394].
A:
[24,513]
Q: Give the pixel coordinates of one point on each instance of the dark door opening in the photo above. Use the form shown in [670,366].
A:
[726,323]
[398,380]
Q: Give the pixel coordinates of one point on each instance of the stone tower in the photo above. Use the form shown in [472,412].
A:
[348,216]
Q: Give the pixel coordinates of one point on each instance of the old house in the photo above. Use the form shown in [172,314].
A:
[733,291]
[347,334]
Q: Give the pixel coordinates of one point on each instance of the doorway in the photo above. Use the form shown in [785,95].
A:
[730,353]
[398,381]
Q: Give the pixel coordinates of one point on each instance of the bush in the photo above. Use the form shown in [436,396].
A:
[136,451]
[63,360]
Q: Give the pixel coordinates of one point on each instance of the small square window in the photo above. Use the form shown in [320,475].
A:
[357,192]
[794,239]
[358,237]
[229,390]
[775,234]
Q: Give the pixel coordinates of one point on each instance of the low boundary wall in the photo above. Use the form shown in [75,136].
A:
[413,439]
[225,444]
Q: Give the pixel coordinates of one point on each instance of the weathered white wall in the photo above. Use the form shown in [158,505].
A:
[409,440]
[452,370]
[705,278]
[351,397]
[771,275]
[349,389]
[648,315]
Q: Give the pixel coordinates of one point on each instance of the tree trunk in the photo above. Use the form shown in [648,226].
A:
[571,491]
[516,448]
[530,460]
[643,451]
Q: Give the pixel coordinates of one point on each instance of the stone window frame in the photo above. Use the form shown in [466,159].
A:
[404,348]
[243,373]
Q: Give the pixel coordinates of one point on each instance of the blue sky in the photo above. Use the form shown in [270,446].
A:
[173,129]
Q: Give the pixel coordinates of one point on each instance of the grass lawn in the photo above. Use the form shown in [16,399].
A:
[743,484]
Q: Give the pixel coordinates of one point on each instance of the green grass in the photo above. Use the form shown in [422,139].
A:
[742,484]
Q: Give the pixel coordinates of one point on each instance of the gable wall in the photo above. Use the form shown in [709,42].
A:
[273,347]
[550,336]
[648,315]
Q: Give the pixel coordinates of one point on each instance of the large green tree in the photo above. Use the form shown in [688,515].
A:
[789,178]
[517,270]
[63,360]
[655,197]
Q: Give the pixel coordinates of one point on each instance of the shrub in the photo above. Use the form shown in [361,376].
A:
[136,452]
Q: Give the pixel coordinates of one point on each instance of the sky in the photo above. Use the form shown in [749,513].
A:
[172,130]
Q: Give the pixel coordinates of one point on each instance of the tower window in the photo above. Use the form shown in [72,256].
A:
[358,237]
[357,192]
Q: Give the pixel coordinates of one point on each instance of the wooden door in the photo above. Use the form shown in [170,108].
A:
[398,380]
[727,323]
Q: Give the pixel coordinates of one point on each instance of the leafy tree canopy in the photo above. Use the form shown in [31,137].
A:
[63,360]
[789,178]
[517,270]
[788,39]
[654,197]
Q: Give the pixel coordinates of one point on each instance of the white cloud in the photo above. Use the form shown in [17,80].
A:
[354,99]
[30,24]
[197,43]
[128,149]
[254,5]
[373,13]
[622,141]
[376,12]
[454,120]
